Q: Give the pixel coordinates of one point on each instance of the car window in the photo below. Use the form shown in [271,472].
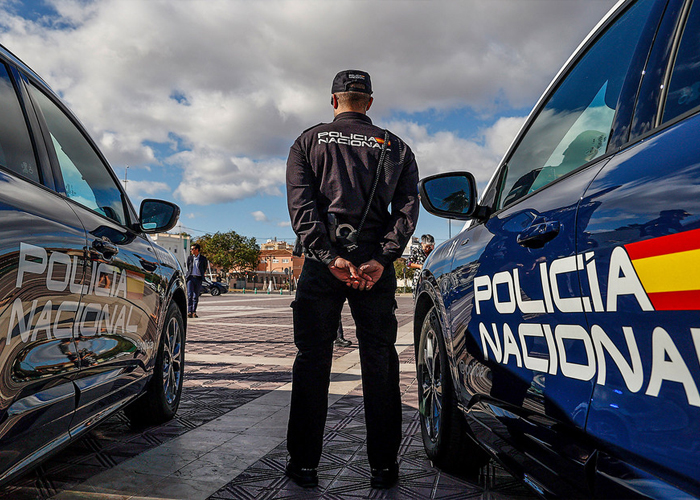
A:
[86,177]
[684,87]
[16,152]
[574,125]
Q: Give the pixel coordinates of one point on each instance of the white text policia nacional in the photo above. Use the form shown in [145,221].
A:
[350,139]
[500,342]
[91,317]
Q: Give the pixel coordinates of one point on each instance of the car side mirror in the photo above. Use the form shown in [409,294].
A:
[451,195]
[157,216]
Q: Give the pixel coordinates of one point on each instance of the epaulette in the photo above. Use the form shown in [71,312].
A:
[402,151]
[402,145]
[317,125]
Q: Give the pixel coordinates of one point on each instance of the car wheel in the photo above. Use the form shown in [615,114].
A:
[215,291]
[443,427]
[162,397]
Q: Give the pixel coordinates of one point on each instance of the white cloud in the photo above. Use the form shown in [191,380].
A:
[128,148]
[227,85]
[259,216]
[499,137]
[212,176]
[445,151]
[142,189]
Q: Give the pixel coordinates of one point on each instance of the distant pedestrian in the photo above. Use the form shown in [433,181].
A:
[353,201]
[196,268]
[340,340]
[418,255]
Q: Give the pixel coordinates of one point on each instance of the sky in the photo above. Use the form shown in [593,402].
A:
[198,101]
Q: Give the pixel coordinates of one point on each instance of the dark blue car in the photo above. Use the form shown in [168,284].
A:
[92,312]
[559,332]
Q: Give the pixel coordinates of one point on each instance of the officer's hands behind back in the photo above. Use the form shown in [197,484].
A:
[373,270]
[348,273]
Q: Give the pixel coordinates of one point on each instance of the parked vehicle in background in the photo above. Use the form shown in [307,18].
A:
[213,287]
[91,310]
[559,332]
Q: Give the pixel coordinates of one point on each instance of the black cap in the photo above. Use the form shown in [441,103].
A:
[343,82]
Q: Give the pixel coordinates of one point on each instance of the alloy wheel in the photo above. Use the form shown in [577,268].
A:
[172,360]
[432,392]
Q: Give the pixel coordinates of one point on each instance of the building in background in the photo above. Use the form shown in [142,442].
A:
[273,244]
[277,264]
[177,244]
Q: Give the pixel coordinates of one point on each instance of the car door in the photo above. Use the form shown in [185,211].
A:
[643,230]
[116,336]
[41,278]
[520,337]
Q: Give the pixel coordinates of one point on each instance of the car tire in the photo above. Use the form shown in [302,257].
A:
[161,399]
[443,426]
[215,291]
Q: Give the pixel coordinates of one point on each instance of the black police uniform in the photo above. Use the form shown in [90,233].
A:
[331,170]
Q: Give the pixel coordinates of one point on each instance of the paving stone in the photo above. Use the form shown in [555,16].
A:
[220,447]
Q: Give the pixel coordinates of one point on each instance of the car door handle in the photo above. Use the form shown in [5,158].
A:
[538,233]
[105,247]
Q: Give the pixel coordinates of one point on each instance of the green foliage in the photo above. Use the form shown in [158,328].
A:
[400,267]
[230,251]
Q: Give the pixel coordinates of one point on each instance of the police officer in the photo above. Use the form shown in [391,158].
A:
[353,218]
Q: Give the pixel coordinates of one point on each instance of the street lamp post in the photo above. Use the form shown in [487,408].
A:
[269,278]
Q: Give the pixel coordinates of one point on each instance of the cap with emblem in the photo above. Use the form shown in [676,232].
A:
[352,80]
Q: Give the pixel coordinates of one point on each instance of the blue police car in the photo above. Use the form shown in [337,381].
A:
[559,332]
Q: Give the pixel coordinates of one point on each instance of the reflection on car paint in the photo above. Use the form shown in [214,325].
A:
[108,281]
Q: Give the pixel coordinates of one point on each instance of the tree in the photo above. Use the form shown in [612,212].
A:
[402,269]
[230,251]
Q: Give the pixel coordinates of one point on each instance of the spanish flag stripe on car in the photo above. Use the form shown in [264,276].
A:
[135,284]
[673,243]
[669,269]
[669,273]
[676,301]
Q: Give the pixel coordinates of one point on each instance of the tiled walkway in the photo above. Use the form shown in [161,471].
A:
[228,439]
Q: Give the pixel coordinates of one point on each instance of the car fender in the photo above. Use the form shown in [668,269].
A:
[428,294]
[171,288]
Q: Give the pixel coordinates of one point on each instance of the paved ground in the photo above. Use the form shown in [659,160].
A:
[228,439]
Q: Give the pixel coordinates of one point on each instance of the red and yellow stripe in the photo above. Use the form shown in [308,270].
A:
[380,140]
[135,285]
[669,269]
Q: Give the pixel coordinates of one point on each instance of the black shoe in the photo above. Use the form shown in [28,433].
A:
[341,342]
[383,479]
[306,478]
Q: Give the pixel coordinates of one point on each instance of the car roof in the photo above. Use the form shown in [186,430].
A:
[9,56]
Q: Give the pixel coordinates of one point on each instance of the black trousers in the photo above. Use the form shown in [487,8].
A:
[319,301]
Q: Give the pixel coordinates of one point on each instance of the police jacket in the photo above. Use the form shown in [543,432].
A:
[331,169]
